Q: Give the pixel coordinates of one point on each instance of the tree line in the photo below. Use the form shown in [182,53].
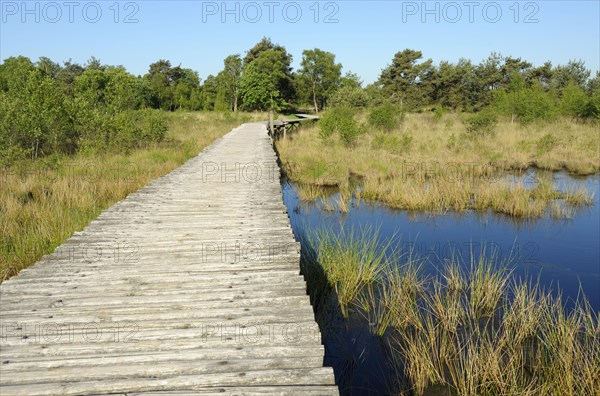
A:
[50,108]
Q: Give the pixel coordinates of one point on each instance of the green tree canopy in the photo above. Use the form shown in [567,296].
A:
[575,71]
[406,80]
[260,84]
[453,83]
[230,77]
[172,87]
[320,75]
[285,76]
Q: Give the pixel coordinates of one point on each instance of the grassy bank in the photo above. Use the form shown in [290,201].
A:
[432,164]
[43,202]
[471,328]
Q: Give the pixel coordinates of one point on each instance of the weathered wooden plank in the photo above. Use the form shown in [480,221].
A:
[183,263]
[214,335]
[198,354]
[110,321]
[108,316]
[287,277]
[245,269]
[169,368]
[57,296]
[252,330]
[286,377]
[250,391]
[132,303]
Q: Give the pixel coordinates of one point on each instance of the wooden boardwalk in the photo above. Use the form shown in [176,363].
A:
[280,128]
[189,285]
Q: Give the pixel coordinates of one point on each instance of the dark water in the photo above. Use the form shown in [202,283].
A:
[565,254]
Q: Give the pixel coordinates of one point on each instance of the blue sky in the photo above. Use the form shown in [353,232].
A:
[364,35]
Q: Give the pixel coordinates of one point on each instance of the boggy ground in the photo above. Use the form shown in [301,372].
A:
[433,165]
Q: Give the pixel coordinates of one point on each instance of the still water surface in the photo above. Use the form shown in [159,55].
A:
[564,254]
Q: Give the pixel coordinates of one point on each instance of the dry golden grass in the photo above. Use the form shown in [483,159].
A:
[43,202]
[308,192]
[433,166]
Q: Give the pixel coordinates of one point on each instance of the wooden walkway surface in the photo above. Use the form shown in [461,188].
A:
[189,285]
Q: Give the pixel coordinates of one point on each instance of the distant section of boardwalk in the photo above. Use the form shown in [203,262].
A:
[190,285]
[279,128]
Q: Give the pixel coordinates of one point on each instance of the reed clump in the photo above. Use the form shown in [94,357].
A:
[351,260]
[470,328]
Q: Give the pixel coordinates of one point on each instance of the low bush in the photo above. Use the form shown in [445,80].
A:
[385,117]
[340,120]
[349,96]
[481,124]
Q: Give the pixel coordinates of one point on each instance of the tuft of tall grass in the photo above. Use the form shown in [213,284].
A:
[350,259]
[454,277]
[394,303]
[308,192]
[487,285]
[558,211]
[579,197]
[473,329]
[447,306]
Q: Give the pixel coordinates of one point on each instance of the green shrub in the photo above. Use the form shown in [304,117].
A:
[12,154]
[349,96]
[327,125]
[135,129]
[385,117]
[349,132]
[156,129]
[592,107]
[481,124]
[341,120]
[573,102]
[536,105]
[438,113]
[527,105]
[124,133]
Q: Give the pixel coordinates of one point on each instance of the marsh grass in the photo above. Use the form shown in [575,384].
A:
[308,192]
[43,202]
[351,260]
[393,303]
[487,285]
[424,165]
[472,328]
[578,197]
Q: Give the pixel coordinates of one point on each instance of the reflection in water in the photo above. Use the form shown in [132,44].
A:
[564,254]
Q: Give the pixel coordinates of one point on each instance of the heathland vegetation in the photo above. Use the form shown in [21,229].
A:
[433,164]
